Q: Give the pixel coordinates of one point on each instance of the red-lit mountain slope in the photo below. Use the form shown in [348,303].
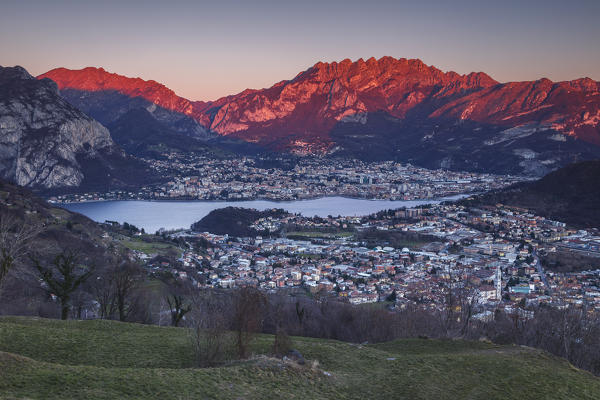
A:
[97,79]
[107,96]
[381,109]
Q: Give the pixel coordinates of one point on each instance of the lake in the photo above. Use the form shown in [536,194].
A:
[153,215]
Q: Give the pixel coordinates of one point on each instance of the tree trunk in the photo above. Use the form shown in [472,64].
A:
[64,311]
[121,307]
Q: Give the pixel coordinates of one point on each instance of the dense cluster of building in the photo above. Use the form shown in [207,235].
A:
[247,178]
[490,254]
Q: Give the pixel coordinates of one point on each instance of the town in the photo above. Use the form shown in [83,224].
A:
[197,177]
[498,256]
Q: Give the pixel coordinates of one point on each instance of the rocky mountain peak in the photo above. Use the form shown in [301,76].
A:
[16,72]
[45,141]
[387,69]
[333,105]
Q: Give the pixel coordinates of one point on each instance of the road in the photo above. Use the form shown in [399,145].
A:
[540,270]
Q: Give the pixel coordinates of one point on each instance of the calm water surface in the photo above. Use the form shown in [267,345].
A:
[153,215]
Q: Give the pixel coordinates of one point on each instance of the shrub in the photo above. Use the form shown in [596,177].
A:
[282,343]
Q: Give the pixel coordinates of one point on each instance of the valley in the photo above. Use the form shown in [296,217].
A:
[325,199]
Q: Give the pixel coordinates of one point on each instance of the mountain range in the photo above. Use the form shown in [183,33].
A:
[80,128]
[379,109]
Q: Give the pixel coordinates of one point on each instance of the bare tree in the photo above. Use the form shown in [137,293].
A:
[117,291]
[62,278]
[249,305]
[211,338]
[15,240]
[103,290]
[126,282]
[178,307]
[459,300]
[82,301]
[179,294]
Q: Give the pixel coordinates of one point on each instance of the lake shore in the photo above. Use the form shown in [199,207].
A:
[154,215]
[181,200]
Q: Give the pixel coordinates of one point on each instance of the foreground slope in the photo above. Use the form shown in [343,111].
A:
[52,359]
[61,228]
[62,231]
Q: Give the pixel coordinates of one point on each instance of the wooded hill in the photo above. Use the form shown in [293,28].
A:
[570,194]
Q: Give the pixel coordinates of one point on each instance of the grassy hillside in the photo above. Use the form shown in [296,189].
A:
[49,359]
[60,230]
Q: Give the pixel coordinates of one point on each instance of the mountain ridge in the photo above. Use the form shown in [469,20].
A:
[98,79]
[342,108]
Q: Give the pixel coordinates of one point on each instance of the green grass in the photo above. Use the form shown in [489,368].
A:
[77,343]
[49,359]
[411,244]
[151,248]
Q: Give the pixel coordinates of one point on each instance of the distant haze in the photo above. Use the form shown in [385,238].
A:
[205,51]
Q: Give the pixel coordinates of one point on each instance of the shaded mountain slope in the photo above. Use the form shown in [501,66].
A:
[570,194]
[139,133]
[46,143]
[106,97]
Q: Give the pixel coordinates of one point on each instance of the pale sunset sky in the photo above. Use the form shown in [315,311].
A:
[205,50]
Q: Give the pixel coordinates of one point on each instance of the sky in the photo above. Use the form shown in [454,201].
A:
[206,50]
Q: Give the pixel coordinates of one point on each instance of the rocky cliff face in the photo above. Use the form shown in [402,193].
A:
[44,141]
[328,94]
[307,108]
[389,109]
[571,108]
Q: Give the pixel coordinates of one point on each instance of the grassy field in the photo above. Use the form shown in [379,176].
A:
[49,359]
[151,248]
